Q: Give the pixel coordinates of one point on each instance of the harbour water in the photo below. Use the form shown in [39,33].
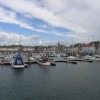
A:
[65,81]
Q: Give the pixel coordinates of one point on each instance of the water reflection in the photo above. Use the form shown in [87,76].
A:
[65,81]
[17,72]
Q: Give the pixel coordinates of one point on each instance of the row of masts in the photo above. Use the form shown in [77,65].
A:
[72,51]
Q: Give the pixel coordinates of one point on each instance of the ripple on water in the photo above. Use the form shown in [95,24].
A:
[65,81]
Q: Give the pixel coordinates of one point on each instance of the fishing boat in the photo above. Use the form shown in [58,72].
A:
[43,61]
[17,62]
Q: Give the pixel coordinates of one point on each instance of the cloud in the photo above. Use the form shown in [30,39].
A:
[33,40]
[11,17]
[13,38]
[81,17]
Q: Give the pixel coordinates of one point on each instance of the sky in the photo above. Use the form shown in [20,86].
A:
[47,22]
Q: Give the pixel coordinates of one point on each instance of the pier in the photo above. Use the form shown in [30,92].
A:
[53,61]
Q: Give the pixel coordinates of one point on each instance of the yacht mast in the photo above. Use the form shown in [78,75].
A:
[93,44]
[20,39]
[88,45]
[99,48]
[72,47]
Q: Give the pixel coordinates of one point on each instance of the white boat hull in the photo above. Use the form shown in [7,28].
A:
[32,59]
[45,64]
[95,59]
[18,66]
[72,58]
